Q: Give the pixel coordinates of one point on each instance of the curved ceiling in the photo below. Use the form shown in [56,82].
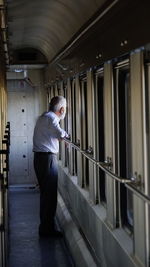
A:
[47,25]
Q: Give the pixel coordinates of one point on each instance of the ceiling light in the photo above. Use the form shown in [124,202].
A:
[18,70]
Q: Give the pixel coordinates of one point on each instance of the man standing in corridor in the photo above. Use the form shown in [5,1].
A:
[47,133]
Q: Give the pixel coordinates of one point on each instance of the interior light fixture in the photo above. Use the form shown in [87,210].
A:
[62,66]
[18,70]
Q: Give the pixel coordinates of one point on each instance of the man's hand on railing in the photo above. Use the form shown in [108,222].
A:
[68,137]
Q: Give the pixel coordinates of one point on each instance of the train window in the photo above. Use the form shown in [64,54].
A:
[66,128]
[57,91]
[123,140]
[100,132]
[73,107]
[48,98]
[66,117]
[147,100]
[84,123]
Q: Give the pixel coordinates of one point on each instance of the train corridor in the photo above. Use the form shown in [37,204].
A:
[95,54]
[25,246]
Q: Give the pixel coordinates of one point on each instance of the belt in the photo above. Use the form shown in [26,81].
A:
[45,153]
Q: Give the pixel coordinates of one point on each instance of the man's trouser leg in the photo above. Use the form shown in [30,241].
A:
[46,170]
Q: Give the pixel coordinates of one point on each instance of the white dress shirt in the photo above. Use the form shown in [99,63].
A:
[47,133]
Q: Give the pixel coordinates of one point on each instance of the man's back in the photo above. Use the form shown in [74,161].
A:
[47,131]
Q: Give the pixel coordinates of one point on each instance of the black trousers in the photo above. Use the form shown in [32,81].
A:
[46,169]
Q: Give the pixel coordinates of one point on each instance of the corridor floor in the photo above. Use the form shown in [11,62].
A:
[26,249]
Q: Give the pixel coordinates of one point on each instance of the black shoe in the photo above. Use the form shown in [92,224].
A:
[54,233]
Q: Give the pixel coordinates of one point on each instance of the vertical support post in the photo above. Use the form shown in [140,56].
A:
[146,103]
[136,61]
[109,142]
[62,143]
[70,126]
[78,132]
[91,135]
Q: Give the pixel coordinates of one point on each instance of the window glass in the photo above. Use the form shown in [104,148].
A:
[123,141]
[73,112]
[66,127]
[100,140]
[84,120]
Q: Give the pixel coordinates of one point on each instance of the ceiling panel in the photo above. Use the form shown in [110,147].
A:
[47,25]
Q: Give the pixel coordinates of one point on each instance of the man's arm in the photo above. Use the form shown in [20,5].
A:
[57,131]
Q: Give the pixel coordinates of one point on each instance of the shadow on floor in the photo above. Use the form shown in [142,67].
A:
[26,249]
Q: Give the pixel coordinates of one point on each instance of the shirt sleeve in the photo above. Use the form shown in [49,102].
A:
[56,130]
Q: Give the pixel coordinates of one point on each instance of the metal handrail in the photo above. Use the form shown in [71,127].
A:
[137,192]
[113,175]
[102,165]
[130,184]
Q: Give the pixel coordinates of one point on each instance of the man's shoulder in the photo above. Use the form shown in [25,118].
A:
[47,114]
[52,116]
[43,117]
